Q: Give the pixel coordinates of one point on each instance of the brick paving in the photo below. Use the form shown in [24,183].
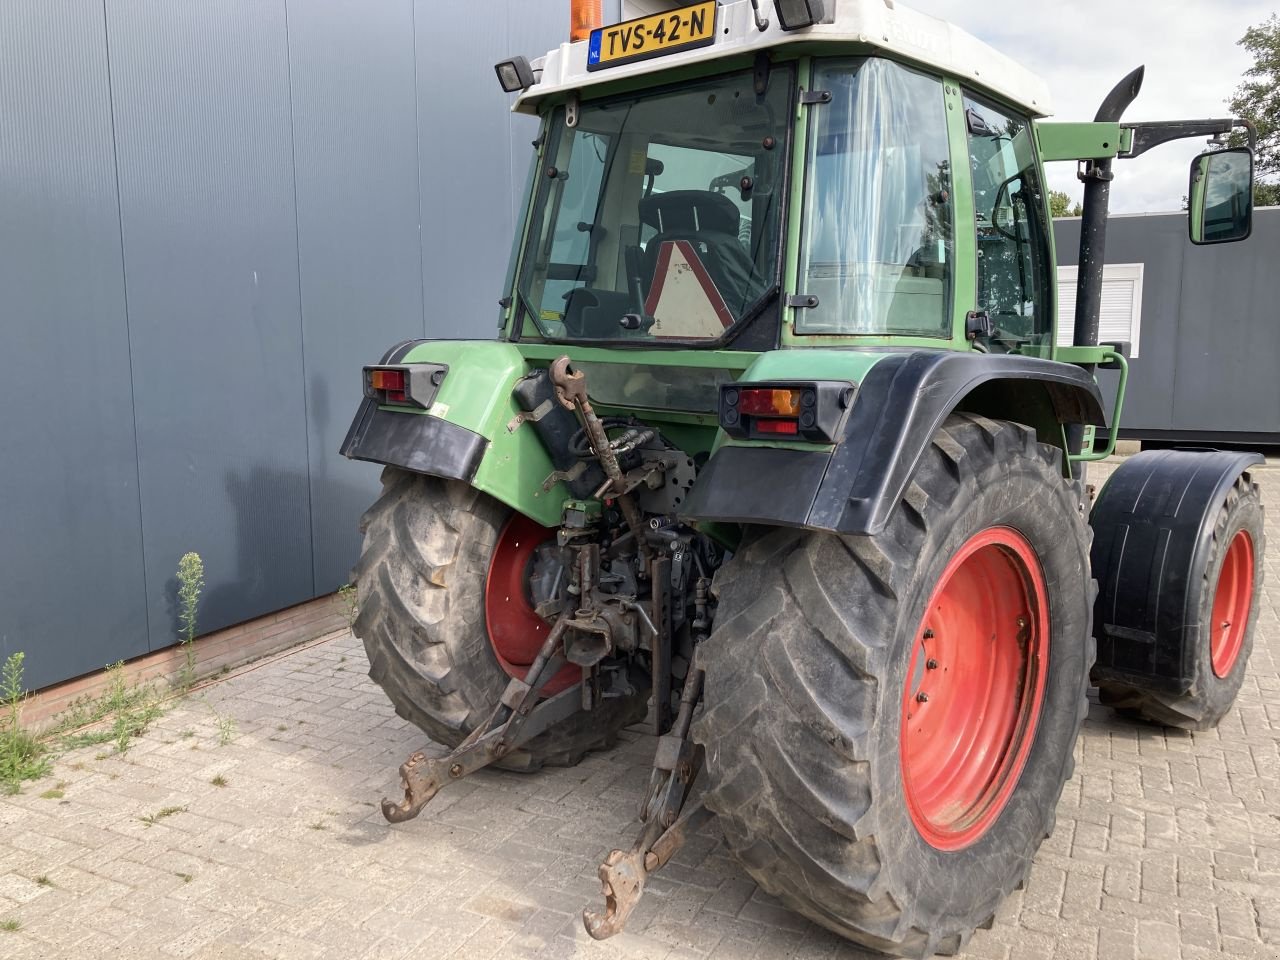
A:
[1167,844]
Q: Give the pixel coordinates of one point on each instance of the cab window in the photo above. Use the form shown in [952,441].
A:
[877,244]
[1014,261]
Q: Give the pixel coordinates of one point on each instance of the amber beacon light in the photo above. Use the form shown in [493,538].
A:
[584,16]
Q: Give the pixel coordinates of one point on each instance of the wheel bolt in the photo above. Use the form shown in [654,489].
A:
[931,664]
[922,697]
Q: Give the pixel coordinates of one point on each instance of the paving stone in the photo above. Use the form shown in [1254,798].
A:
[1167,844]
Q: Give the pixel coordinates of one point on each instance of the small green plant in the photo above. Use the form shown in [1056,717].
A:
[190,586]
[349,597]
[226,729]
[53,794]
[21,755]
[282,727]
[318,825]
[44,881]
[219,781]
[130,707]
[11,925]
[184,877]
[152,819]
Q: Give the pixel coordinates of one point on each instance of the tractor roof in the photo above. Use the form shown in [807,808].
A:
[883,25]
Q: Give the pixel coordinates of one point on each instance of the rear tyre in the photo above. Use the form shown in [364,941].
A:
[433,551]
[891,719]
[1226,598]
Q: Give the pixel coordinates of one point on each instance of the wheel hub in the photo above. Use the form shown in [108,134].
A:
[1232,602]
[516,632]
[974,689]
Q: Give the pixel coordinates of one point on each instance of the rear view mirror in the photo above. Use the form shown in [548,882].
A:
[1221,196]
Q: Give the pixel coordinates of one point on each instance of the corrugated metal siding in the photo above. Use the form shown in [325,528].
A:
[71,582]
[201,95]
[295,180]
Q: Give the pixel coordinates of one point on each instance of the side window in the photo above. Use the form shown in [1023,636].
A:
[569,262]
[877,246]
[1014,262]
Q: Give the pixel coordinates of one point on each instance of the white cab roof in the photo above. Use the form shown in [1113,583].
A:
[885,24]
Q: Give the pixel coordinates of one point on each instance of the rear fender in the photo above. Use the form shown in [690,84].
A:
[1152,530]
[853,486]
[471,430]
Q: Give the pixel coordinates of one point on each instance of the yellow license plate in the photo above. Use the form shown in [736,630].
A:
[684,29]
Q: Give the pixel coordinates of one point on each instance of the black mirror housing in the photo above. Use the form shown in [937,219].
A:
[1220,198]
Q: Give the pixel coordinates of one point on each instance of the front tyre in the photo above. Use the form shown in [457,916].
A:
[891,719]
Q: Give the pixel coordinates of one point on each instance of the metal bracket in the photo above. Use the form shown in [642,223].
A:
[809,98]
[530,416]
[1095,170]
[802,301]
[573,473]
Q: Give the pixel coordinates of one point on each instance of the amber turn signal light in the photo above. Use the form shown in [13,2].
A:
[584,16]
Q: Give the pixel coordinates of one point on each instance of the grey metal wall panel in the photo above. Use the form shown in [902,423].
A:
[1228,337]
[71,585]
[1209,340]
[473,161]
[201,94]
[356,167]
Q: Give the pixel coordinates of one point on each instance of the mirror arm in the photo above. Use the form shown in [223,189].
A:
[1147,136]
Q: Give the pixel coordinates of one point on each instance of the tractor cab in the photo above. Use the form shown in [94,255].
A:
[752,184]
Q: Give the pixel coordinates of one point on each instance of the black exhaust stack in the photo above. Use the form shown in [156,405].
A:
[1097,177]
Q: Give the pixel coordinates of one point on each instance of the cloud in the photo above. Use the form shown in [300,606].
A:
[1084,48]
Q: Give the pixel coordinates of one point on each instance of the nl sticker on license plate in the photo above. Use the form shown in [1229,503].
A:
[686,28]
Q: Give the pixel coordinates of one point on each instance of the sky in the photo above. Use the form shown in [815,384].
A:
[1084,48]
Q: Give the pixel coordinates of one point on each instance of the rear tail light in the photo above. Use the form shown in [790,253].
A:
[770,403]
[389,380]
[407,385]
[814,411]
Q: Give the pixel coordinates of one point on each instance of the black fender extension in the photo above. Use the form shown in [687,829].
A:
[853,487]
[1152,526]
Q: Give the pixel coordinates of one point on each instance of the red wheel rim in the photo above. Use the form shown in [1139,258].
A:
[516,632]
[974,688]
[1232,601]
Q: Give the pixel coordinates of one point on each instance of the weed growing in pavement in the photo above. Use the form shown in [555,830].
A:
[11,926]
[190,586]
[219,781]
[152,819]
[21,754]
[44,881]
[348,596]
[53,794]
[184,877]
[130,707]
[226,729]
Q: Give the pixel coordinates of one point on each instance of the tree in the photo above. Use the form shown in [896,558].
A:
[1060,205]
[1257,99]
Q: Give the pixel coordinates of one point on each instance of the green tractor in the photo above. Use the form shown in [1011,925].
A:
[777,453]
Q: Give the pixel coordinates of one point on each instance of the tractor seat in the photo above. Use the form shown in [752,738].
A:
[709,221]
